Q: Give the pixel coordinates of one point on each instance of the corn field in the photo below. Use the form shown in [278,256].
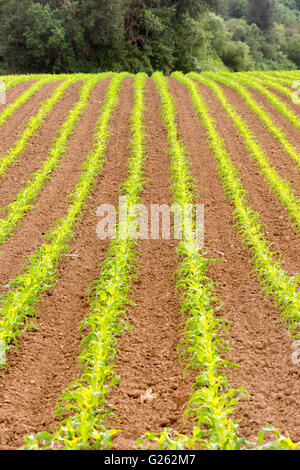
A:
[133,343]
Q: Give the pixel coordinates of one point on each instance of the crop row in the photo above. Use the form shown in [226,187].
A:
[281,82]
[33,125]
[12,80]
[280,186]
[276,83]
[267,81]
[289,76]
[17,209]
[21,100]
[261,113]
[211,403]
[40,273]
[87,424]
[283,108]
[276,282]
[271,79]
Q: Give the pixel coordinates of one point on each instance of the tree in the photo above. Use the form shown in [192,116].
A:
[293,50]
[237,8]
[61,35]
[13,48]
[45,40]
[102,21]
[261,12]
[194,7]
[33,37]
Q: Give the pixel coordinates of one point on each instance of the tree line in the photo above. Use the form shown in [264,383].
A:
[71,36]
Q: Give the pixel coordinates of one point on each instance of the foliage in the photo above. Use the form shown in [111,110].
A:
[261,12]
[147,35]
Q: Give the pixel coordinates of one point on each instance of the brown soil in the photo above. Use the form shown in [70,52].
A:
[294,107]
[277,225]
[16,124]
[148,359]
[262,346]
[279,119]
[38,149]
[46,360]
[38,222]
[281,161]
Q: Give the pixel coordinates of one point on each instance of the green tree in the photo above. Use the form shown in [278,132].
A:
[251,35]
[237,8]
[13,47]
[261,12]
[292,48]
[166,32]
[44,36]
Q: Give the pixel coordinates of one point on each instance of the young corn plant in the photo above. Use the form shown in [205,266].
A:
[283,108]
[17,209]
[261,114]
[13,80]
[279,76]
[286,78]
[86,427]
[21,100]
[212,402]
[40,273]
[33,125]
[280,186]
[282,85]
[275,281]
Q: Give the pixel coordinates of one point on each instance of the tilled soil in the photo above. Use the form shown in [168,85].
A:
[52,202]
[13,93]
[13,128]
[148,360]
[285,99]
[276,223]
[46,361]
[262,346]
[38,148]
[152,392]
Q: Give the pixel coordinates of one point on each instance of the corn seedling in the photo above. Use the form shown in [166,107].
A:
[41,271]
[18,208]
[280,186]
[85,399]
[276,282]
[33,125]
